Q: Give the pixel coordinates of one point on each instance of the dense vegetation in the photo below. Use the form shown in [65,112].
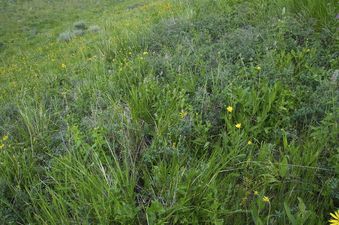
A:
[168,112]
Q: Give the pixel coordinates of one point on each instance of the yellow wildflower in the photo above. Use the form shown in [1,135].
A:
[238,125]
[2,146]
[182,114]
[266,199]
[5,138]
[145,53]
[63,66]
[229,108]
[249,142]
[335,218]
[256,193]
[258,68]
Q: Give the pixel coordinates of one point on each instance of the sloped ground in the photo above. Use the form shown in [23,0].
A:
[168,112]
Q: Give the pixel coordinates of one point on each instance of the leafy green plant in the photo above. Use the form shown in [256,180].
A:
[301,216]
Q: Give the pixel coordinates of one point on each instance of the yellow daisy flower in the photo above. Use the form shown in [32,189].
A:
[63,66]
[238,125]
[249,142]
[183,114]
[335,218]
[229,108]
[266,199]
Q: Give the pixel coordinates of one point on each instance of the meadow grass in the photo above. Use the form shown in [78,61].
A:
[168,112]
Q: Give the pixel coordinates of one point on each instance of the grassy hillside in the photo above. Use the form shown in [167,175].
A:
[168,112]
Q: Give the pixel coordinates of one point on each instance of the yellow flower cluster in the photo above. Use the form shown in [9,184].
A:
[230,109]
[4,139]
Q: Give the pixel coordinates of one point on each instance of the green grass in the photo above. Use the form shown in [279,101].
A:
[129,125]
